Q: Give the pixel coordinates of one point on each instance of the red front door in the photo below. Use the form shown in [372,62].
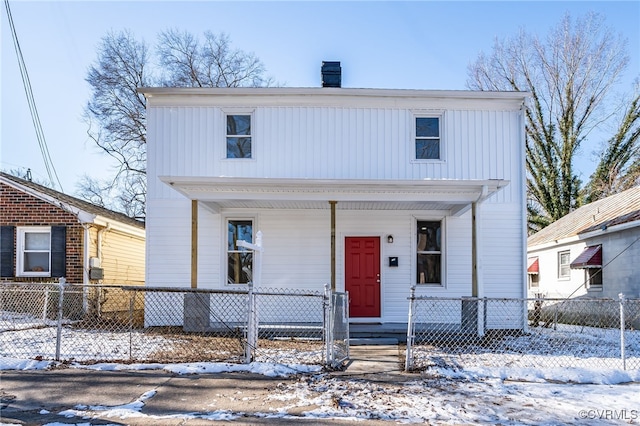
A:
[362,275]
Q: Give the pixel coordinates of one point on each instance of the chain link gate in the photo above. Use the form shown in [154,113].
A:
[99,323]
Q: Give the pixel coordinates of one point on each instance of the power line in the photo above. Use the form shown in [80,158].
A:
[35,118]
[603,267]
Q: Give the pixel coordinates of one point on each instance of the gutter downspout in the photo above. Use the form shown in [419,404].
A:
[85,254]
[85,269]
[99,243]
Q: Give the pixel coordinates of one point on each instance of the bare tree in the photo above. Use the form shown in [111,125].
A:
[569,74]
[116,112]
[188,62]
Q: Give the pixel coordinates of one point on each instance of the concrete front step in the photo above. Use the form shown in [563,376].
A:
[372,341]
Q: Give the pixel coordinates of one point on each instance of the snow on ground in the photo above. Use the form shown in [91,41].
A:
[515,396]
[545,387]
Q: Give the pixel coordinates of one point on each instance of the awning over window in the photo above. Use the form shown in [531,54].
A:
[591,257]
[532,265]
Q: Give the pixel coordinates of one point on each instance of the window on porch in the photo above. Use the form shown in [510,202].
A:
[239,260]
[429,252]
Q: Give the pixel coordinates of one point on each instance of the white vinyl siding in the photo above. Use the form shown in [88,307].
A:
[341,138]
[297,247]
[335,143]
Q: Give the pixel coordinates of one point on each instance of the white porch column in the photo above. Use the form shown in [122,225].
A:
[194,243]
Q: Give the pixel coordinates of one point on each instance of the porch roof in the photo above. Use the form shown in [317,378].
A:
[363,194]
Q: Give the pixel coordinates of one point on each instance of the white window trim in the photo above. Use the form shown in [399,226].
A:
[225,234]
[568,276]
[530,281]
[443,251]
[20,247]
[587,280]
[238,111]
[440,114]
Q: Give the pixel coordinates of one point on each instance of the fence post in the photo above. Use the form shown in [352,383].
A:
[45,308]
[252,326]
[622,327]
[482,316]
[408,363]
[328,325]
[132,303]
[61,283]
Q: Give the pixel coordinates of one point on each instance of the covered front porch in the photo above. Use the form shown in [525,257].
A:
[322,214]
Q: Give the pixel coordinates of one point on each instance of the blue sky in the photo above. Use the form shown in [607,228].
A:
[406,45]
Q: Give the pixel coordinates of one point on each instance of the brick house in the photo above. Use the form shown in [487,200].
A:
[45,235]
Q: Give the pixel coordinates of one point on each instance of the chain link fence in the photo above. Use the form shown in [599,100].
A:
[460,333]
[90,324]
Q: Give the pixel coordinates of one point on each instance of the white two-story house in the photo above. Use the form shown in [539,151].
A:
[372,191]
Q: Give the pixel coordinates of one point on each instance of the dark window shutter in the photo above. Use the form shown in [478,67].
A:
[7,244]
[58,251]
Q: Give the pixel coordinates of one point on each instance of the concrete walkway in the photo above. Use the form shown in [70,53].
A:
[38,397]
[374,359]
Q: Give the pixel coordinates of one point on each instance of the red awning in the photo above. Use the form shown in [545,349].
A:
[591,257]
[532,265]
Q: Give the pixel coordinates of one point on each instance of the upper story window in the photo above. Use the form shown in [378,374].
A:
[429,252]
[33,252]
[428,133]
[239,136]
[239,259]
[564,262]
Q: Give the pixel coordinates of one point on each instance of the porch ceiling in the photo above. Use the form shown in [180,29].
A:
[283,193]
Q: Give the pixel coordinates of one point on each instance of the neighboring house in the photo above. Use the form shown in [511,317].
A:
[370,190]
[593,251]
[45,235]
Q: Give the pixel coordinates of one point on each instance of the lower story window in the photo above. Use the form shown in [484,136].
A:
[239,259]
[429,252]
[34,251]
[564,261]
[594,278]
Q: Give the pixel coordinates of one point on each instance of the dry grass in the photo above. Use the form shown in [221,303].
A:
[207,347]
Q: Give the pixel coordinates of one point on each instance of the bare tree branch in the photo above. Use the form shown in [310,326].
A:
[116,112]
[569,74]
